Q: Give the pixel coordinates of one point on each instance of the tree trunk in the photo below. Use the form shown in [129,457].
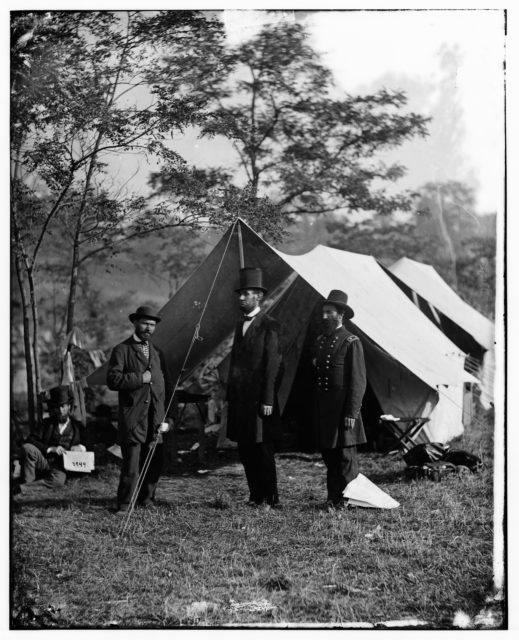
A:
[252,153]
[31,406]
[35,340]
[74,273]
[444,232]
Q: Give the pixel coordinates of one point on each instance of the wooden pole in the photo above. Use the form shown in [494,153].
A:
[240,246]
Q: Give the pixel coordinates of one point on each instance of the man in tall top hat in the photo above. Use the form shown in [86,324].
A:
[41,456]
[137,370]
[340,382]
[253,415]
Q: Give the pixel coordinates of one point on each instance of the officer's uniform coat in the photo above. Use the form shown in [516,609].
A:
[254,367]
[125,369]
[341,382]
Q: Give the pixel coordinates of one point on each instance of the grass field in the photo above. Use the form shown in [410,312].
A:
[203,558]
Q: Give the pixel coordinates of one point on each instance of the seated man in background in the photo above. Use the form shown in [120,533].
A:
[41,456]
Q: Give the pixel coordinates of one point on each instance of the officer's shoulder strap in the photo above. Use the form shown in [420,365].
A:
[351,338]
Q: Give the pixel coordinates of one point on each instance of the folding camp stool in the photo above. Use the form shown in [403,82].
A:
[200,401]
[404,435]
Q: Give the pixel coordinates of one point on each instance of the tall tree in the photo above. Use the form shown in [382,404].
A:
[436,204]
[168,261]
[300,146]
[466,261]
[86,86]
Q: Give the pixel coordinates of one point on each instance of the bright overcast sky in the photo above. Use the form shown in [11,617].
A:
[395,49]
[367,50]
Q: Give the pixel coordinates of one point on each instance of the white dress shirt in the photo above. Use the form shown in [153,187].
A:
[247,323]
[63,425]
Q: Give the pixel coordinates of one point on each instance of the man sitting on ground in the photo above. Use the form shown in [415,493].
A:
[41,456]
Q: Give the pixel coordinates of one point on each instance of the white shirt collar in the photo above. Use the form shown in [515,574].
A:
[63,426]
[334,331]
[136,338]
[253,313]
[247,322]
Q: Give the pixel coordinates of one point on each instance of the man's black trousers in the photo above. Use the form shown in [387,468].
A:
[260,470]
[342,467]
[134,456]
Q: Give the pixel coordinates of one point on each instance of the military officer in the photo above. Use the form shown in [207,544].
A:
[340,382]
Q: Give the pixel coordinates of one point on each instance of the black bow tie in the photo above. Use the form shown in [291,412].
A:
[247,318]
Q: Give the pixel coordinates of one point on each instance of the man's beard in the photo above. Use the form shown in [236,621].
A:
[247,307]
[62,419]
[329,326]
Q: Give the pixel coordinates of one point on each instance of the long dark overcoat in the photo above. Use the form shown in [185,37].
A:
[340,386]
[125,368]
[253,380]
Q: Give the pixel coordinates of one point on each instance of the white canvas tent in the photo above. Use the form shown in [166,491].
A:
[412,368]
[461,323]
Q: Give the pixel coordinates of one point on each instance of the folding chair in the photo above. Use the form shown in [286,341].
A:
[404,430]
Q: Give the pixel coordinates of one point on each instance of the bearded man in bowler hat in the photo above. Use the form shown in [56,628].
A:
[253,415]
[341,383]
[137,370]
[41,456]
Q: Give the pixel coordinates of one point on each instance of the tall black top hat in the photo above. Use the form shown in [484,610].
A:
[339,299]
[144,312]
[251,278]
[60,395]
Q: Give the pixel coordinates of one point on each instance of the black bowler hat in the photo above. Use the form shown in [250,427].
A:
[144,312]
[251,278]
[60,395]
[339,299]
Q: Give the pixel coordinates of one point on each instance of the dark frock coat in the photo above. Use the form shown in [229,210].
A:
[253,372]
[340,382]
[126,366]
[45,434]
